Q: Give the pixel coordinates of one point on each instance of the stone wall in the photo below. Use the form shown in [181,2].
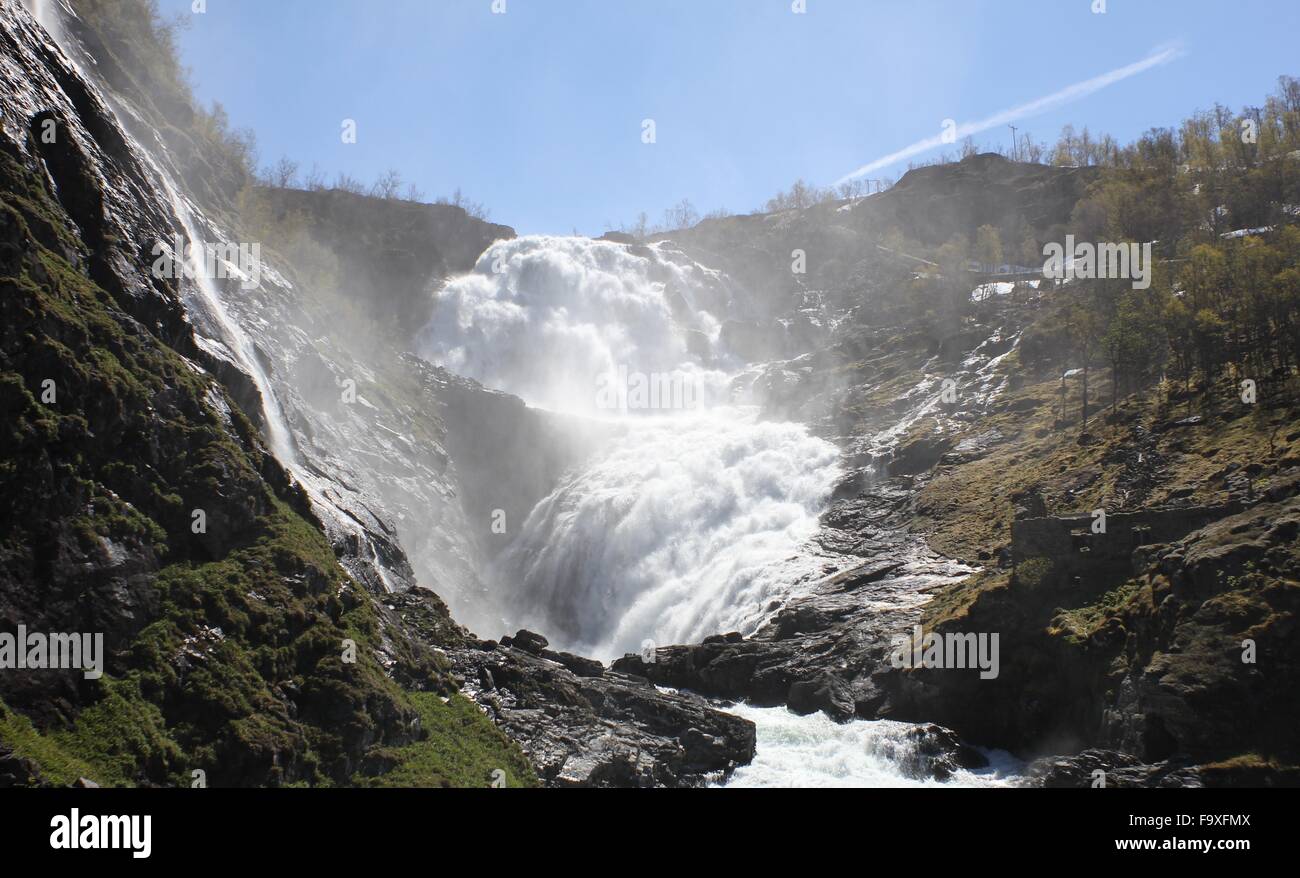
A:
[1070,542]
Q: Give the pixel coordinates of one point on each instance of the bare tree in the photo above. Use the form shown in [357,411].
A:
[347,183]
[388,185]
[282,175]
[315,179]
[458,199]
[681,215]
[641,228]
[853,189]
[801,195]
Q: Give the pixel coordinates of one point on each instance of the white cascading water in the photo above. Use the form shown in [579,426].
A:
[277,428]
[687,523]
[815,751]
[203,295]
[680,526]
[209,296]
[678,530]
[45,16]
[545,318]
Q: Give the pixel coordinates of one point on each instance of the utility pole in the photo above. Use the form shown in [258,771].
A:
[1015,144]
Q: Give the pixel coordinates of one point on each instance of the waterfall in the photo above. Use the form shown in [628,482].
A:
[553,320]
[688,522]
[278,433]
[209,296]
[47,16]
[679,530]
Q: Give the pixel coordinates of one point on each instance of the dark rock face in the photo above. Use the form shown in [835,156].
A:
[827,693]
[579,665]
[1194,669]
[17,771]
[1189,682]
[1110,769]
[919,455]
[99,182]
[528,641]
[938,752]
[584,726]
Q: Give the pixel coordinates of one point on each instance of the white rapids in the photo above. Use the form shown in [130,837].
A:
[680,526]
[815,751]
[678,530]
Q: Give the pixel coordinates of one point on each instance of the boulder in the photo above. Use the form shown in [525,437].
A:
[827,693]
[1095,767]
[919,455]
[528,641]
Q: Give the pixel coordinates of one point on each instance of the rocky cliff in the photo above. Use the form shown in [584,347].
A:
[1153,649]
[263,600]
[316,629]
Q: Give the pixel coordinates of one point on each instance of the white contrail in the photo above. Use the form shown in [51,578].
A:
[1064,96]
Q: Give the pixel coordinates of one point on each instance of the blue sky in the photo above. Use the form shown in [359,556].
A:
[537,113]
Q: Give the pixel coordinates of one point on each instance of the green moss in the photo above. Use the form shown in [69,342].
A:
[1032,574]
[1079,623]
[57,765]
[462,748]
[119,735]
[238,668]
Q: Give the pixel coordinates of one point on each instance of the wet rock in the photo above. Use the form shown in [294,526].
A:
[720,670]
[800,619]
[919,455]
[580,665]
[937,752]
[526,640]
[1093,768]
[18,771]
[827,693]
[607,729]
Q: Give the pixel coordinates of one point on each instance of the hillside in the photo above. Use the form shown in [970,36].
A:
[353,513]
[252,630]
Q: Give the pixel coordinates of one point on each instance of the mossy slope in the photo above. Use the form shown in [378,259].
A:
[226,648]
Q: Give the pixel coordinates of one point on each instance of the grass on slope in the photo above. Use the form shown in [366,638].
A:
[238,670]
[463,749]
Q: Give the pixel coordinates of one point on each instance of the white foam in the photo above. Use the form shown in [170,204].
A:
[684,527]
[815,751]
[687,523]
[545,318]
